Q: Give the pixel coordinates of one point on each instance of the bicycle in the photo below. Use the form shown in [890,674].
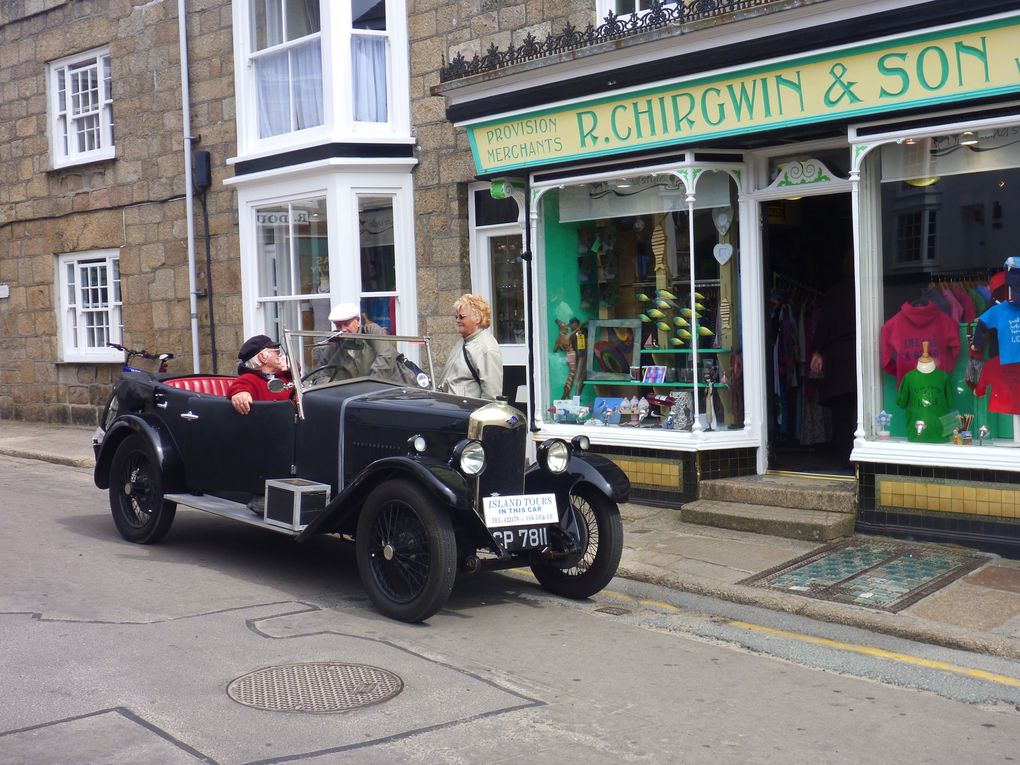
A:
[162,358]
[113,403]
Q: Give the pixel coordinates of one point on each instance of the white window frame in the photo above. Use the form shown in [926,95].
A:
[337,97]
[514,354]
[72,335]
[341,190]
[59,84]
[603,7]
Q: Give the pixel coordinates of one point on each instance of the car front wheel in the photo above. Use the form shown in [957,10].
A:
[582,575]
[136,493]
[406,551]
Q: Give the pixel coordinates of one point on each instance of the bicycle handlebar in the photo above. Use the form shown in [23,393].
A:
[143,353]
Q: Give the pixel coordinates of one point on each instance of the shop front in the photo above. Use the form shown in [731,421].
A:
[800,265]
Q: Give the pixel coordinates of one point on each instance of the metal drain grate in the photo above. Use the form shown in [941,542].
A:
[320,687]
[613,610]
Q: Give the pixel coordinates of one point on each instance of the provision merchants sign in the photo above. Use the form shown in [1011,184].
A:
[920,70]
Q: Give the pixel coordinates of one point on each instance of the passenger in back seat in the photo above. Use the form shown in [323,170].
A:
[261,360]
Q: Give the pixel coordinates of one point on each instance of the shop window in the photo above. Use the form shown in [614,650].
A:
[81,109]
[947,359]
[88,287]
[643,309]
[293,265]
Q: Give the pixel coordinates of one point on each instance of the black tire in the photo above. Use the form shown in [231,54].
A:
[321,375]
[406,551]
[136,493]
[581,576]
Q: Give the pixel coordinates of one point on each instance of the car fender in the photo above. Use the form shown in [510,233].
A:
[166,454]
[600,473]
[445,483]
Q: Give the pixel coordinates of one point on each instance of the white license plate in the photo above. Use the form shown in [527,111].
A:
[520,510]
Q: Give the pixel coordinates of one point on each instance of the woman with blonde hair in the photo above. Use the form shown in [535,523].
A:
[475,365]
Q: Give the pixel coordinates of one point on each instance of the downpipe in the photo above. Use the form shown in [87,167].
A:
[189,191]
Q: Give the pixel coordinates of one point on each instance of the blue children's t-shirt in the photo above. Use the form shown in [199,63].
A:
[1005,319]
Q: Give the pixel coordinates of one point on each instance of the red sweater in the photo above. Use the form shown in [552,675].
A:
[904,333]
[1005,382]
[256,384]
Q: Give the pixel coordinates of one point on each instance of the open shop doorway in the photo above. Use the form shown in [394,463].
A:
[810,334]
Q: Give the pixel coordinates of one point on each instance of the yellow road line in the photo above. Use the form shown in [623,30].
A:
[883,654]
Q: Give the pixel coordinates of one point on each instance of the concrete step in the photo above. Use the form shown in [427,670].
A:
[804,493]
[787,522]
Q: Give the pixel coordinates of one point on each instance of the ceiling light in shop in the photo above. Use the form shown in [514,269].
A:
[922,182]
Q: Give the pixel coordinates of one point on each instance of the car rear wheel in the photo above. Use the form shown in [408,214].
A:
[406,551]
[136,493]
[582,575]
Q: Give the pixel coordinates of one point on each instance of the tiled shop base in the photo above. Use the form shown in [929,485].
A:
[883,574]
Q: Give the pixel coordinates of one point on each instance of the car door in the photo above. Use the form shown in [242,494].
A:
[227,451]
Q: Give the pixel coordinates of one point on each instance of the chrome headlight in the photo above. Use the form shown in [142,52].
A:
[469,457]
[553,455]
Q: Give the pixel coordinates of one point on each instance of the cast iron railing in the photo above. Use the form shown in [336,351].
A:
[660,14]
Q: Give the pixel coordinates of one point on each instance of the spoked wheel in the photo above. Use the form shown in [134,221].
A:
[136,493]
[406,551]
[582,575]
[321,375]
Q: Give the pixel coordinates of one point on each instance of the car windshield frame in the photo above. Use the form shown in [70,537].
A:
[297,341]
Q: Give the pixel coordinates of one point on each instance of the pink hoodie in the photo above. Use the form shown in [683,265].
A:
[904,333]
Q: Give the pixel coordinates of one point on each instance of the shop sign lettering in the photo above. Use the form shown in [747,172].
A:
[281,218]
[949,66]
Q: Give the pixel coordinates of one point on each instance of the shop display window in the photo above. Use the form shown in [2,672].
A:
[643,311]
[951,320]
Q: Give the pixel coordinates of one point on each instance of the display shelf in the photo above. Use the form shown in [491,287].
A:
[685,350]
[638,383]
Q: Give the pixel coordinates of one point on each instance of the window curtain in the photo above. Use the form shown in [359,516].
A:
[368,57]
[274,74]
[272,94]
[307,71]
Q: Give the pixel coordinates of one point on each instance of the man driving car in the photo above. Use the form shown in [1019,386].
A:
[359,356]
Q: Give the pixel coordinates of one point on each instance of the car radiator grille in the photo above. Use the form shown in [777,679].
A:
[504,456]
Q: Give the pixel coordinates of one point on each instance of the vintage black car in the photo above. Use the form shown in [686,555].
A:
[426,484]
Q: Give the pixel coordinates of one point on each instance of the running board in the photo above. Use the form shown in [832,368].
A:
[225,508]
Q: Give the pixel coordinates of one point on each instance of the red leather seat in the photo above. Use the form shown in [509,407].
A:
[213,385]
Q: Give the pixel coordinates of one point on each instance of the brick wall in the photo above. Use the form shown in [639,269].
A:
[438,30]
[134,203]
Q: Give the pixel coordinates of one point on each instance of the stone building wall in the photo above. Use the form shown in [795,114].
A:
[438,30]
[134,203]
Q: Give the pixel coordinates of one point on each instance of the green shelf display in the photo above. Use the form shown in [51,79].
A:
[638,383]
[685,350]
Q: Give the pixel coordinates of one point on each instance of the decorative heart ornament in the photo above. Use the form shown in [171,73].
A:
[722,253]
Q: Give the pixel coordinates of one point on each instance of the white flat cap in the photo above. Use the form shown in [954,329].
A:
[344,311]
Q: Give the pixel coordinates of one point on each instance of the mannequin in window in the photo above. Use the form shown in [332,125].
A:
[927,396]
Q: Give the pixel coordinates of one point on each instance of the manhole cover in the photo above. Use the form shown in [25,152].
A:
[320,687]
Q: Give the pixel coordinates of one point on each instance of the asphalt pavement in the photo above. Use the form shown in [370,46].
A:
[977,612]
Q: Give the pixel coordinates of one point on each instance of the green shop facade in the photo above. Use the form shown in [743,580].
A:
[776,260]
